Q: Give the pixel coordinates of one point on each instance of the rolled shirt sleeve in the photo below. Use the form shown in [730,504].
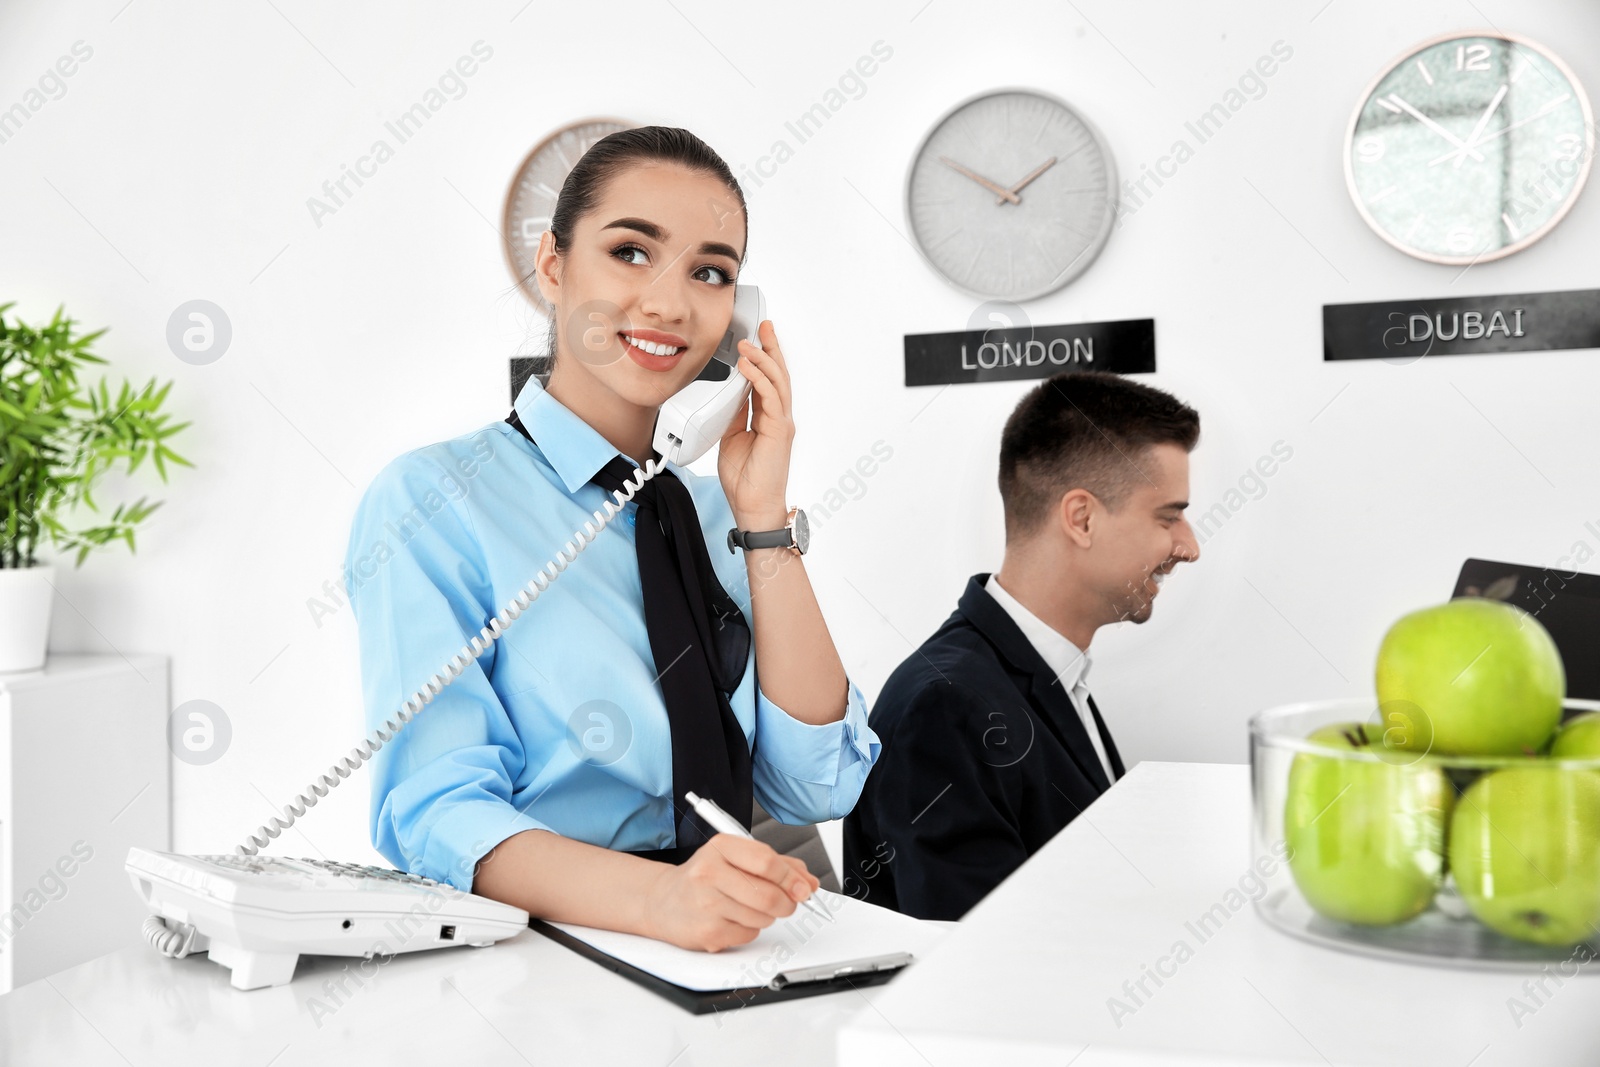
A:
[443,788]
[804,773]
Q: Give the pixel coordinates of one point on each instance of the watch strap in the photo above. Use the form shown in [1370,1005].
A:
[782,538]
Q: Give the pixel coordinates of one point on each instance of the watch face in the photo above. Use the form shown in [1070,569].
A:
[802,531]
[1011,195]
[1469,148]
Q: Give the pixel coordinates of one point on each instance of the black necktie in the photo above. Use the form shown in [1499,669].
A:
[1105,739]
[700,642]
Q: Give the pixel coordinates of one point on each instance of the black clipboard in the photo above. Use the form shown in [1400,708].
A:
[703,1002]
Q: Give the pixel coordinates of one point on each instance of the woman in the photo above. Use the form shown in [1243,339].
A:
[551,774]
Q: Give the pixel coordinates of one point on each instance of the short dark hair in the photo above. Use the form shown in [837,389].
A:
[614,153]
[1083,430]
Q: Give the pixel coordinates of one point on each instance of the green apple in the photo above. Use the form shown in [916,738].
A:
[1578,738]
[1525,852]
[1366,836]
[1484,676]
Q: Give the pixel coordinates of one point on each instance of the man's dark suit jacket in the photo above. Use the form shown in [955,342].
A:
[984,759]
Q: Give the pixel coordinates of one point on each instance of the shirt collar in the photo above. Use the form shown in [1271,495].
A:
[571,446]
[1067,661]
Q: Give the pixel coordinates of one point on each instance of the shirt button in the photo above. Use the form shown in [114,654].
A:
[631,516]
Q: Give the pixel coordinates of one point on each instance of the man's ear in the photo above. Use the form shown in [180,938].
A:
[545,274]
[1076,515]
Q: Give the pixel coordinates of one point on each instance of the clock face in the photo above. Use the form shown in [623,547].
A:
[1011,195]
[532,196]
[1469,148]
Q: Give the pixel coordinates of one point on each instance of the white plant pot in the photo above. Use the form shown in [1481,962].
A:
[26,596]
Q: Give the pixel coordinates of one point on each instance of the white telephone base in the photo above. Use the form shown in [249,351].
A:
[256,915]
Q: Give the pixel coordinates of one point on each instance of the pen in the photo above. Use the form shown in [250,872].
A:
[724,823]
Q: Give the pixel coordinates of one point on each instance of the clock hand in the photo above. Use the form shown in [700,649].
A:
[1040,169]
[1502,131]
[1436,128]
[1483,120]
[1005,194]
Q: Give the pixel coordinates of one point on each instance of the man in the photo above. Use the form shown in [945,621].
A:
[991,742]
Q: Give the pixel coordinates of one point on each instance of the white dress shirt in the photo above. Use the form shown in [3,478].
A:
[1066,661]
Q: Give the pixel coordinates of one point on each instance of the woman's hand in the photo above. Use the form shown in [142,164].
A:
[754,463]
[730,890]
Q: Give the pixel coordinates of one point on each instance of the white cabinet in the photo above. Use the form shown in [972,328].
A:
[84,774]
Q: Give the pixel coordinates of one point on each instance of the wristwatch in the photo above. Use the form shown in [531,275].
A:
[795,536]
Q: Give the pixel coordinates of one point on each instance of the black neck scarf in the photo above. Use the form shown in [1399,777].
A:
[700,642]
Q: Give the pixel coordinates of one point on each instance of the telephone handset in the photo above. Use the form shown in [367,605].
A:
[257,916]
[695,418]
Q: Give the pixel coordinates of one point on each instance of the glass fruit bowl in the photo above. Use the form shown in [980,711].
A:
[1470,861]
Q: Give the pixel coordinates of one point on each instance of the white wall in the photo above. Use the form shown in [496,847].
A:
[178,163]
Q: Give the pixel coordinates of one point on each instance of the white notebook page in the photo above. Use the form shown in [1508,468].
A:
[858,930]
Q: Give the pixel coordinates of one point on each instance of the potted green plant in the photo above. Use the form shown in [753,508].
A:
[57,438]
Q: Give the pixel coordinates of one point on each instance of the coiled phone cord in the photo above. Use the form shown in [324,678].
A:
[176,940]
[480,644]
[173,941]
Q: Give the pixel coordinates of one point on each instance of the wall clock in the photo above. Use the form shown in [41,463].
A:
[1469,147]
[533,192]
[1011,194]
